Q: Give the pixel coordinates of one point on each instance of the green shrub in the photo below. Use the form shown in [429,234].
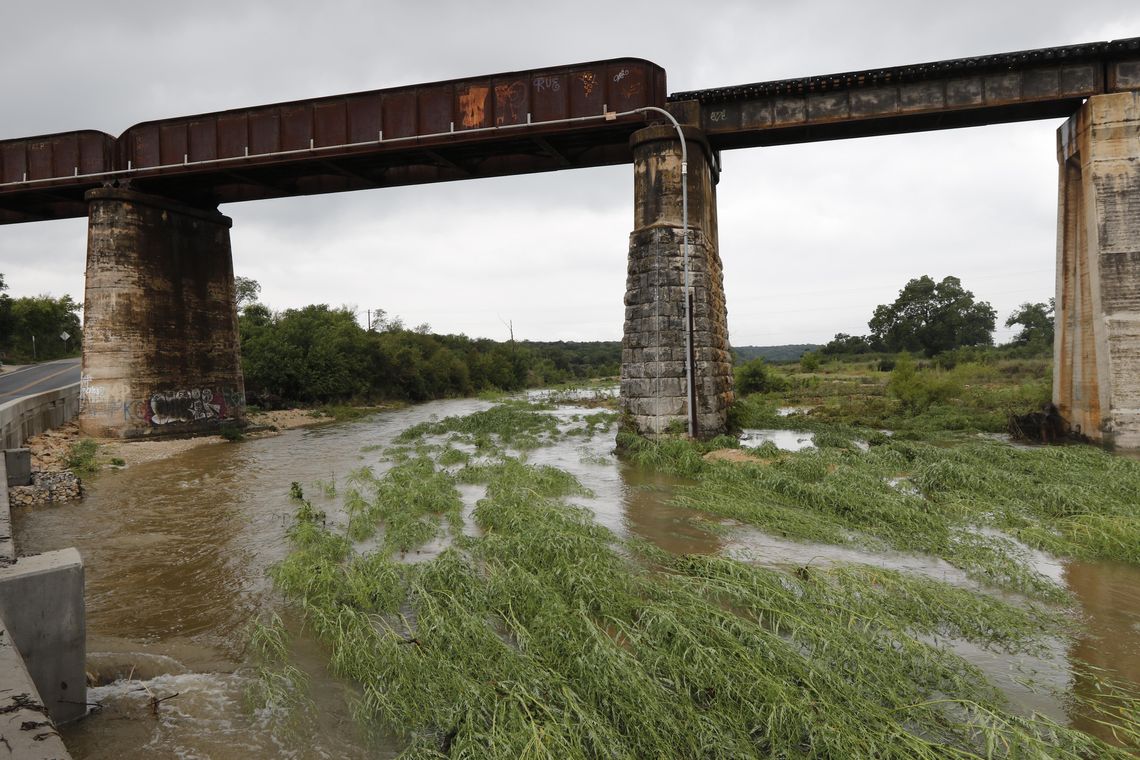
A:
[918,390]
[757,377]
[810,362]
[81,457]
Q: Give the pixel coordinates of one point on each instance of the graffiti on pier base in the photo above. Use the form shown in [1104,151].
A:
[185,405]
[193,405]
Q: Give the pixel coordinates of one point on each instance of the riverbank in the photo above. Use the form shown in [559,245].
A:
[52,450]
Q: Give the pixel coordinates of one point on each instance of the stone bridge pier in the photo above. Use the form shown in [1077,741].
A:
[1096,369]
[655,393]
[161,347]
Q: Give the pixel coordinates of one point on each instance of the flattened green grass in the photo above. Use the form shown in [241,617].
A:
[977,504]
[518,425]
[548,636]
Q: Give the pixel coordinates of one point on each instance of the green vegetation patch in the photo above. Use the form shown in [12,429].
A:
[519,425]
[914,399]
[82,457]
[409,501]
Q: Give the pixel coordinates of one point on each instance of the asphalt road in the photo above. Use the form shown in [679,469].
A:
[36,378]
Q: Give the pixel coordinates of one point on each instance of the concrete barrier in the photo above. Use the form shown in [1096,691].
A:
[41,604]
[25,727]
[32,415]
[43,642]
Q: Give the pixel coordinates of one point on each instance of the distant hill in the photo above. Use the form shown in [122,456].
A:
[788,353]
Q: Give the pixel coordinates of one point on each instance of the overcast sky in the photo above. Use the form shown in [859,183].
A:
[812,236]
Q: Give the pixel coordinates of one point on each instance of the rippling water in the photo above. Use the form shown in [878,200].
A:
[176,553]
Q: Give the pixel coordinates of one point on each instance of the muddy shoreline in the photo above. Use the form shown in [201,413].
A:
[50,450]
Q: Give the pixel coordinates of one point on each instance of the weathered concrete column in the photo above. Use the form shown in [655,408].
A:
[160,342]
[1096,351]
[654,390]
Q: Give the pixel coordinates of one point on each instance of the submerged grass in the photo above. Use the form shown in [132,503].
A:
[978,504]
[277,684]
[408,501]
[520,425]
[546,635]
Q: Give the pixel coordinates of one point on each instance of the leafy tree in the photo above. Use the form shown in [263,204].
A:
[932,317]
[843,343]
[246,291]
[322,354]
[1036,320]
[34,325]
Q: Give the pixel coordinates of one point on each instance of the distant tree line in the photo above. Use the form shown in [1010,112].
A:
[32,327]
[931,318]
[321,354]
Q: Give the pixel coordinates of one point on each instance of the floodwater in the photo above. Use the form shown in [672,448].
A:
[176,553]
[786,440]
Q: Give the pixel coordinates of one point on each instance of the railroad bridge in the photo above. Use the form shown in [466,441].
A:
[161,344]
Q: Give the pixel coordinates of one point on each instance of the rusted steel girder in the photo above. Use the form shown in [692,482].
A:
[512,123]
[965,92]
[531,121]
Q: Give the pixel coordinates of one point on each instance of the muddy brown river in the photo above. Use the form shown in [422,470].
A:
[176,553]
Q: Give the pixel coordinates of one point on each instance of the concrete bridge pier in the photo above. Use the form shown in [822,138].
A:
[654,389]
[161,347]
[1096,368]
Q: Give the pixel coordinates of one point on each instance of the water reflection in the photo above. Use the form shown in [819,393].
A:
[786,440]
[1109,596]
[649,515]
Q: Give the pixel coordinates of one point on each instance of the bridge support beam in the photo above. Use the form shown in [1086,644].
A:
[160,350]
[1096,369]
[654,389]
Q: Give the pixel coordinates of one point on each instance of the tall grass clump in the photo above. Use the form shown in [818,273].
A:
[81,457]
